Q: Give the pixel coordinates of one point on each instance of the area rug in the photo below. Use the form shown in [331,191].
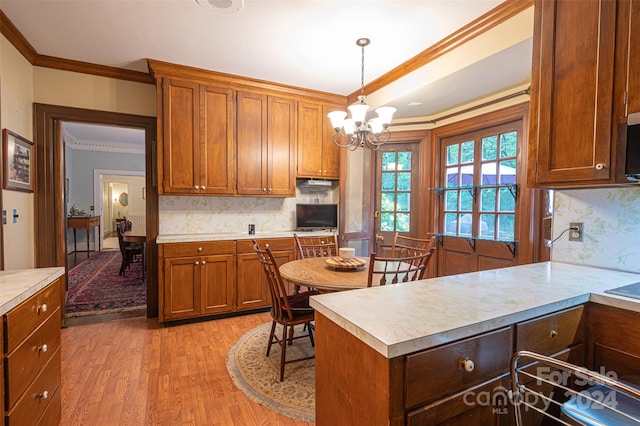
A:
[95,286]
[258,376]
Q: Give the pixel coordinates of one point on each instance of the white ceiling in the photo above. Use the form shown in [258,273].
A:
[305,43]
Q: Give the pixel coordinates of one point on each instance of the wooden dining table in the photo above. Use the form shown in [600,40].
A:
[137,234]
[316,273]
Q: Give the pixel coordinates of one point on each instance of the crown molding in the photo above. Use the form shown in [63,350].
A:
[15,37]
[102,146]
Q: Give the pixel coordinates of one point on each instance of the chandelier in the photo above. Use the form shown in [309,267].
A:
[356,131]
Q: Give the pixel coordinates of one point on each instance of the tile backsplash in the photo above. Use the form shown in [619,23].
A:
[211,215]
[611,218]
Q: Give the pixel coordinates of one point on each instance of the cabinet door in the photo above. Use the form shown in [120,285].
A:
[330,151]
[181,287]
[572,93]
[218,283]
[309,140]
[633,82]
[252,143]
[281,160]
[217,165]
[253,290]
[180,138]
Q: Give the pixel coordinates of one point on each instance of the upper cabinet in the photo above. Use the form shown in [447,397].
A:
[575,99]
[266,145]
[633,79]
[318,155]
[220,134]
[198,144]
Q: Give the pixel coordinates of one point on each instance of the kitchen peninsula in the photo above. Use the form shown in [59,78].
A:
[408,353]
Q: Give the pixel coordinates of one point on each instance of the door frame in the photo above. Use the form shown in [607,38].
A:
[49,188]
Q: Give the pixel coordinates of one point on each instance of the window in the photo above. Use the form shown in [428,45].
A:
[395,192]
[480,190]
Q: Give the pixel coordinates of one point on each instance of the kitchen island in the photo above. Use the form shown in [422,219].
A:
[397,354]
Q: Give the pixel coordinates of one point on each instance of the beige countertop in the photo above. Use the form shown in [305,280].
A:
[403,318]
[187,238]
[18,285]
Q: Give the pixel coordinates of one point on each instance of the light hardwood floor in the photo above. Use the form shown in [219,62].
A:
[137,372]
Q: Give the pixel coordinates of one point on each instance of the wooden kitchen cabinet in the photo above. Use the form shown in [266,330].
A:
[197,144]
[32,370]
[198,279]
[266,145]
[318,156]
[576,96]
[633,79]
[253,290]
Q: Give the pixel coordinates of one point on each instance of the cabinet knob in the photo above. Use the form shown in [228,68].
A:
[270,189]
[264,189]
[197,262]
[553,333]
[203,187]
[196,187]
[468,365]
[199,248]
[600,166]
[204,261]
[43,308]
[44,395]
[43,348]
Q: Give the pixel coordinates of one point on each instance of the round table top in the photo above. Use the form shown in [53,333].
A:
[315,273]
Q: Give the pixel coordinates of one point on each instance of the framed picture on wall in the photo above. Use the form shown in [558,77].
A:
[18,162]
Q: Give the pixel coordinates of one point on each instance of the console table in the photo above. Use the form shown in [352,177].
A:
[84,222]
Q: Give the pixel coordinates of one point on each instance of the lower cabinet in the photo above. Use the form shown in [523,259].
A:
[197,279]
[200,279]
[32,369]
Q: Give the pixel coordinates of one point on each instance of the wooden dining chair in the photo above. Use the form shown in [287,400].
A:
[404,246]
[392,270]
[286,310]
[129,251]
[316,246]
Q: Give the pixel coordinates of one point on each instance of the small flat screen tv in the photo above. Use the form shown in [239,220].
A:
[316,216]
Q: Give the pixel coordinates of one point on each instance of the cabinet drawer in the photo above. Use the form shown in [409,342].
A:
[199,248]
[434,373]
[33,404]
[24,363]
[278,244]
[551,333]
[21,321]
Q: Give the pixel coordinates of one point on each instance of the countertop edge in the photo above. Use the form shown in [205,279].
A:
[26,283]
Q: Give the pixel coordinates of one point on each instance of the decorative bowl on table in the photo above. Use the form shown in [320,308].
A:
[350,264]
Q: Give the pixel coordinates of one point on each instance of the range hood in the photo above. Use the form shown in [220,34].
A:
[315,183]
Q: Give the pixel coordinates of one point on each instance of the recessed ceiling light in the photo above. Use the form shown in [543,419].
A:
[222,7]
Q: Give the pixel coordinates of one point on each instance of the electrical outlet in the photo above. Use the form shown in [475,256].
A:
[576,235]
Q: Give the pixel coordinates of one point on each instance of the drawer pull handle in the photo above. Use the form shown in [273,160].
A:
[44,395]
[553,333]
[468,365]
[43,348]
[43,308]
[199,248]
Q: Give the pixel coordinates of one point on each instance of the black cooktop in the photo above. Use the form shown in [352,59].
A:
[631,290]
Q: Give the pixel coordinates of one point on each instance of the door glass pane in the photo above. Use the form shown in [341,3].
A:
[403,202]
[388,161]
[487,226]
[488,200]
[506,226]
[508,144]
[466,201]
[452,155]
[387,222]
[450,223]
[388,201]
[488,174]
[507,202]
[402,223]
[452,177]
[489,148]
[404,181]
[388,181]
[465,225]
[467,152]
[451,200]
[404,160]
[508,171]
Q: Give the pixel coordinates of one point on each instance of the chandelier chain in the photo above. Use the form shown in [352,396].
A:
[362,73]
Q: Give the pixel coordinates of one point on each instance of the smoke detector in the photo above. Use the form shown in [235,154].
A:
[222,7]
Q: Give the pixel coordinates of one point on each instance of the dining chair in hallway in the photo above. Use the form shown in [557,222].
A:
[393,270]
[404,246]
[286,310]
[129,251]
[316,246]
